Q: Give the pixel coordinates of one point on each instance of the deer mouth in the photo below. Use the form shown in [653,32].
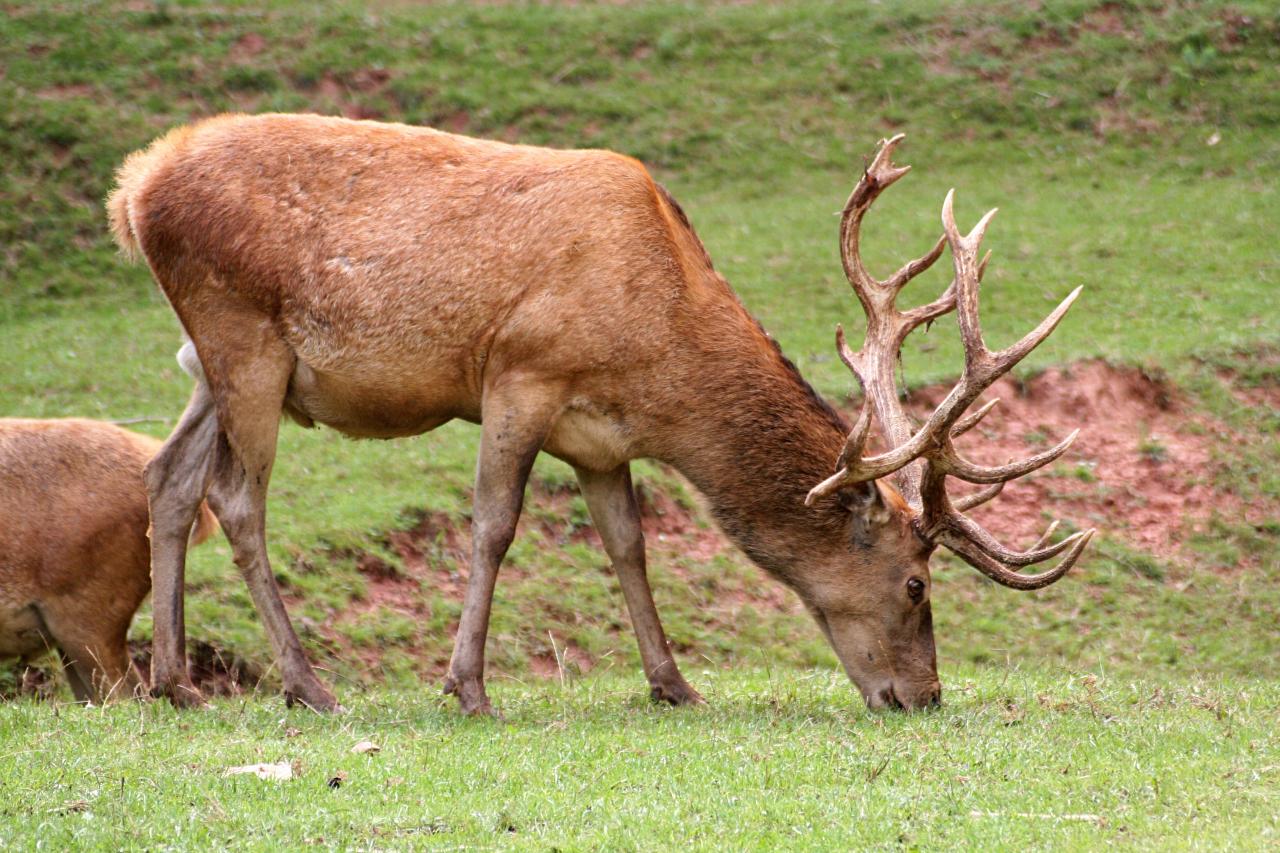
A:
[888,698]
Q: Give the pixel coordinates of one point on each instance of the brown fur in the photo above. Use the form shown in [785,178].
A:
[384,279]
[74,559]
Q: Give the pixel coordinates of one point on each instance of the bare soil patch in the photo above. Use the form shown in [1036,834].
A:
[432,557]
[1141,469]
[247,47]
[1254,379]
[354,94]
[214,672]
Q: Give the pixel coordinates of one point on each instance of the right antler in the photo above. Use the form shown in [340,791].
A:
[922,459]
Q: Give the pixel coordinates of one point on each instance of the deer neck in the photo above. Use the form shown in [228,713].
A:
[754,438]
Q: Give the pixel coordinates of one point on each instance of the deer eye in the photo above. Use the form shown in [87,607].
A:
[915,589]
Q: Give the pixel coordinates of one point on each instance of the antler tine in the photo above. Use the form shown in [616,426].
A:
[950,462]
[978,358]
[857,438]
[972,419]
[877,177]
[911,269]
[1010,356]
[928,313]
[1046,536]
[979,497]
[983,540]
[964,252]
[1001,574]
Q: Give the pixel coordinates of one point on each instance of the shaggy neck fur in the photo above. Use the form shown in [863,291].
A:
[755,440]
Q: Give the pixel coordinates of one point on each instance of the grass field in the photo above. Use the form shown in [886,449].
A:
[1015,760]
[1132,147]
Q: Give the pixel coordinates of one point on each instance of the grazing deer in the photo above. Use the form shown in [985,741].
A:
[74,557]
[384,279]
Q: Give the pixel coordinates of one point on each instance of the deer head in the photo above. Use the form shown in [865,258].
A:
[880,622]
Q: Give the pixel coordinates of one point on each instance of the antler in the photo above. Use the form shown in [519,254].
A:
[921,459]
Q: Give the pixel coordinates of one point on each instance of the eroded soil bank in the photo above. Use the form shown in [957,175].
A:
[1148,467]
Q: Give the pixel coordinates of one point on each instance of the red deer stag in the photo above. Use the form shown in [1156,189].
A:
[74,561]
[384,279]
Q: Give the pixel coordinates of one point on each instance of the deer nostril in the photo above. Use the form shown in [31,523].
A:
[935,698]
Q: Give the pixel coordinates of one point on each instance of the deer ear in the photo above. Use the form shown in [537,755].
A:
[870,506]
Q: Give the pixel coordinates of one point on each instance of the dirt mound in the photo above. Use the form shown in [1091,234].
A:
[1142,468]
[213,671]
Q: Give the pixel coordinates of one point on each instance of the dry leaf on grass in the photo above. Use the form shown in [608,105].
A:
[281,772]
[366,746]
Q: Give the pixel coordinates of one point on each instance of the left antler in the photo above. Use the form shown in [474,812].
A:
[923,483]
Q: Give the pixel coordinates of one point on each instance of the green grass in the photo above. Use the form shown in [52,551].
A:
[1090,124]
[1015,760]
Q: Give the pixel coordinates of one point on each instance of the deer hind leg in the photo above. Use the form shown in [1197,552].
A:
[250,389]
[78,676]
[514,426]
[92,641]
[177,479]
[612,502]
[99,669]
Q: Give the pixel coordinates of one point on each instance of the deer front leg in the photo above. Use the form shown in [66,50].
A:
[612,503]
[176,480]
[514,427]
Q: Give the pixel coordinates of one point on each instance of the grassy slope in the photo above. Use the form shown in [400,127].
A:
[1087,123]
[1014,761]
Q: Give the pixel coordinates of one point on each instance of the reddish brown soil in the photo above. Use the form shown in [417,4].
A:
[351,93]
[214,672]
[433,555]
[247,47]
[1142,468]
[1263,392]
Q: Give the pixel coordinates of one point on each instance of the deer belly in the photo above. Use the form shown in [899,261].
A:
[589,438]
[369,407]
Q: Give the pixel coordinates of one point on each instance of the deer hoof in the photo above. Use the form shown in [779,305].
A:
[676,693]
[316,697]
[182,694]
[471,697]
